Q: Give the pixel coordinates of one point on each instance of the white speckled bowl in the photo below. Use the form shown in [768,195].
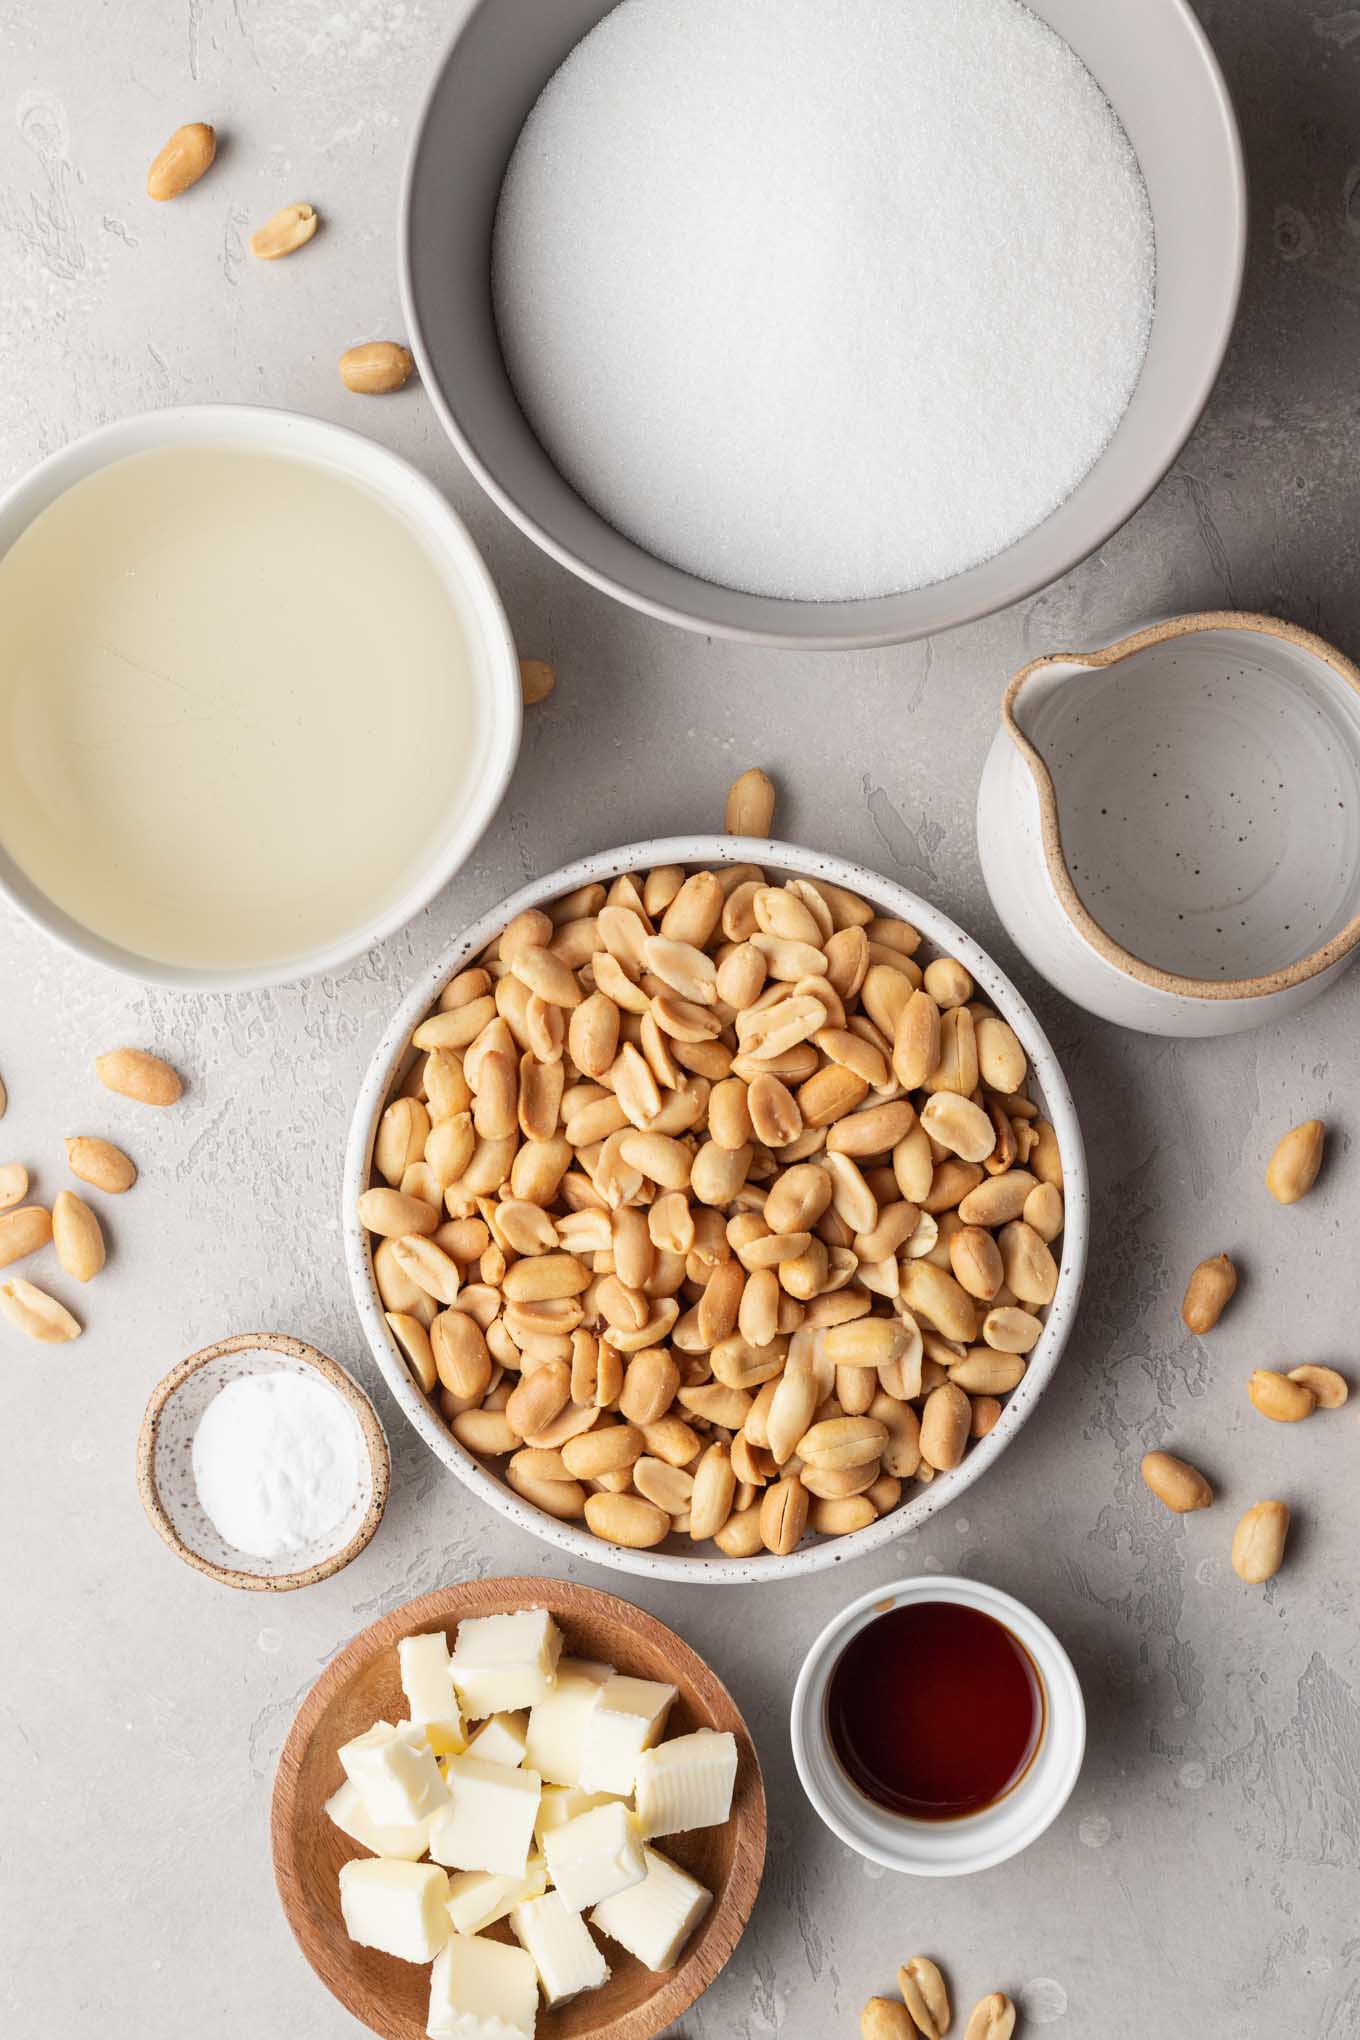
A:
[165,1475]
[677,1560]
[945,1848]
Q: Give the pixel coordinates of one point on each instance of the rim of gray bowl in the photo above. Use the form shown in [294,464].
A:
[828,626]
[940,931]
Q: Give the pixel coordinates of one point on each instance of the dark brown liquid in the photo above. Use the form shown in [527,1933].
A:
[935,1710]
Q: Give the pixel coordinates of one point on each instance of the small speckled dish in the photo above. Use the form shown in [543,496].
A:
[165,1478]
[1170,826]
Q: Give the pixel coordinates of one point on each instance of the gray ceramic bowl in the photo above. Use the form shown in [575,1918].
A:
[1155,65]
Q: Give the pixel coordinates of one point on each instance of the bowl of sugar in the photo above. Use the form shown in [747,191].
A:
[280,715]
[261,1463]
[822,322]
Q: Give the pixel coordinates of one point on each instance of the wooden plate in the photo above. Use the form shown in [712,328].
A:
[361,1685]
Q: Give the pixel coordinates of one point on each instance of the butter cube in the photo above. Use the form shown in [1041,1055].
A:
[557,1725]
[395,1773]
[563,1802]
[501,1739]
[427,1682]
[595,1855]
[627,1719]
[501,1662]
[654,1919]
[558,1941]
[346,1809]
[400,1908]
[482,1990]
[489,1821]
[478,1899]
[686,1783]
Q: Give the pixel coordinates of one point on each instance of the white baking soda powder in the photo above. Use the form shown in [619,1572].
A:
[823,298]
[276,1462]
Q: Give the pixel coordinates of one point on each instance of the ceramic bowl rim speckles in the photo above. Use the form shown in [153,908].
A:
[952,1848]
[1157,67]
[1083,921]
[408,495]
[374,1438]
[891,899]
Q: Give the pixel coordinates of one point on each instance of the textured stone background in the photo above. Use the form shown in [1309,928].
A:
[1204,1878]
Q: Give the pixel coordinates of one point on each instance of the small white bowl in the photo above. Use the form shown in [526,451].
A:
[496,683]
[165,1474]
[678,1560]
[950,1848]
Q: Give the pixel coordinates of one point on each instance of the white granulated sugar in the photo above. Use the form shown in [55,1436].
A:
[823,298]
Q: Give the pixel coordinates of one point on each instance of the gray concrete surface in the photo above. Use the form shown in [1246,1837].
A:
[1205,1877]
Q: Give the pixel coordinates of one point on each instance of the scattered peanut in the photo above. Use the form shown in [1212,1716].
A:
[13,1184]
[750,804]
[135,1073]
[287,230]
[1282,1399]
[32,1311]
[924,1994]
[1174,1481]
[537,680]
[101,1164]
[188,153]
[1328,1388]
[1258,1542]
[376,368]
[1208,1290]
[885,2019]
[660,1221]
[991,2019]
[1292,1170]
[23,1231]
[77,1236]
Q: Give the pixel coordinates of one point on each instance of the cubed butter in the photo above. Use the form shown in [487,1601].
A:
[400,1908]
[427,1682]
[477,1898]
[595,1855]
[395,1772]
[627,1719]
[558,1942]
[501,1739]
[482,1990]
[346,1809]
[562,1803]
[654,1919]
[557,1725]
[488,1823]
[501,1662]
[686,1783]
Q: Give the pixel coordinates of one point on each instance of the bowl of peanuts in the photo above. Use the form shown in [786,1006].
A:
[716,1209]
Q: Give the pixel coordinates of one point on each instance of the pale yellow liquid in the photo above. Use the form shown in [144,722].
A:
[236,704]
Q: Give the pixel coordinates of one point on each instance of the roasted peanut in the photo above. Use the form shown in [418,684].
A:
[1328,1388]
[182,161]
[1278,1397]
[376,368]
[100,1163]
[1175,1482]
[992,2019]
[134,1073]
[924,1994]
[1293,1168]
[1258,1542]
[1210,1286]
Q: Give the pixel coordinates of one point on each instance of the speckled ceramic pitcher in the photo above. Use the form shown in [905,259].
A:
[1170,827]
